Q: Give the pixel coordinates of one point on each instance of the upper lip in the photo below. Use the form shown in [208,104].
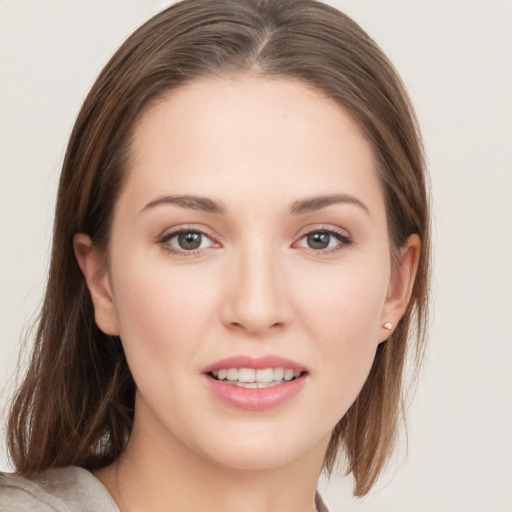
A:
[255,362]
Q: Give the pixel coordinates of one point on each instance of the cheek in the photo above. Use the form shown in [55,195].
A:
[162,315]
[342,314]
[343,302]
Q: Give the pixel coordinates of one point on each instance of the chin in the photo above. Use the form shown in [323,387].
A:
[241,458]
[268,450]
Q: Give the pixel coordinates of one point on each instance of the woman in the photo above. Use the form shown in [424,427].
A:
[241,247]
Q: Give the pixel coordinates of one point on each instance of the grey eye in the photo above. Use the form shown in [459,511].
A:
[189,240]
[318,240]
[324,239]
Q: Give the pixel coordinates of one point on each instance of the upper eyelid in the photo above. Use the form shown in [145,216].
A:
[336,234]
[336,230]
[170,232]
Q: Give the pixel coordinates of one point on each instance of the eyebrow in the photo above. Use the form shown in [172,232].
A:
[317,203]
[298,207]
[192,202]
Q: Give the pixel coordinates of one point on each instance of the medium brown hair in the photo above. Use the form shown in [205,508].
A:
[76,404]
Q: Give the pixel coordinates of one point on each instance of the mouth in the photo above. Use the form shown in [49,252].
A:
[255,383]
[251,378]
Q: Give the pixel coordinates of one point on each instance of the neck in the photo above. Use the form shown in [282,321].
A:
[160,474]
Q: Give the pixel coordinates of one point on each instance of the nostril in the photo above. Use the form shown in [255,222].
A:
[275,325]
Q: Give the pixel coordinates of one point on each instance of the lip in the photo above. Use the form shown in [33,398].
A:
[258,399]
[256,363]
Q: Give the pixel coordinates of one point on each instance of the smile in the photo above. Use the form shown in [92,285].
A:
[252,378]
[255,383]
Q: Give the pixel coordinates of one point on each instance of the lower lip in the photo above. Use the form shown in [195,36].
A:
[255,399]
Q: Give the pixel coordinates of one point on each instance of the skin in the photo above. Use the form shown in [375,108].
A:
[255,287]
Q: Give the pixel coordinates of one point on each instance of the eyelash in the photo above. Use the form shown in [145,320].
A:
[344,239]
[341,236]
[164,241]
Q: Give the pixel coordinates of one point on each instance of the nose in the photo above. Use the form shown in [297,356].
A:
[256,298]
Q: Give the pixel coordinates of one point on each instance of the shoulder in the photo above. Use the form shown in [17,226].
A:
[69,489]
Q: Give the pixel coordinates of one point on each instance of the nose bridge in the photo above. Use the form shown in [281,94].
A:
[257,298]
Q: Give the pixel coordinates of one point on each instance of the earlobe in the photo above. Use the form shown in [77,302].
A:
[96,276]
[401,286]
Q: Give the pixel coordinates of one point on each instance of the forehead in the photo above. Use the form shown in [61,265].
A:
[249,134]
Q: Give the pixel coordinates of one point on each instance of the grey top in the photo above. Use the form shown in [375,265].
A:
[70,489]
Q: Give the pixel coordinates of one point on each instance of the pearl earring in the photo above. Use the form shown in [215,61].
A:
[388,326]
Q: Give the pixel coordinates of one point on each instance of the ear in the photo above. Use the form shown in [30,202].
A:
[400,286]
[96,276]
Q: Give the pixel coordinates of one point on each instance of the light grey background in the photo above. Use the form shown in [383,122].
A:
[455,57]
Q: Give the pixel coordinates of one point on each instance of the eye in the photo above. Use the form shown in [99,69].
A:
[186,240]
[324,240]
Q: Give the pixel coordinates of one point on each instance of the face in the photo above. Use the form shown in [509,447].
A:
[248,271]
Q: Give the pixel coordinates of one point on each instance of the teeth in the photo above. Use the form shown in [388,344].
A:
[250,378]
[253,385]
[265,376]
[232,374]
[246,375]
[278,373]
[288,374]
